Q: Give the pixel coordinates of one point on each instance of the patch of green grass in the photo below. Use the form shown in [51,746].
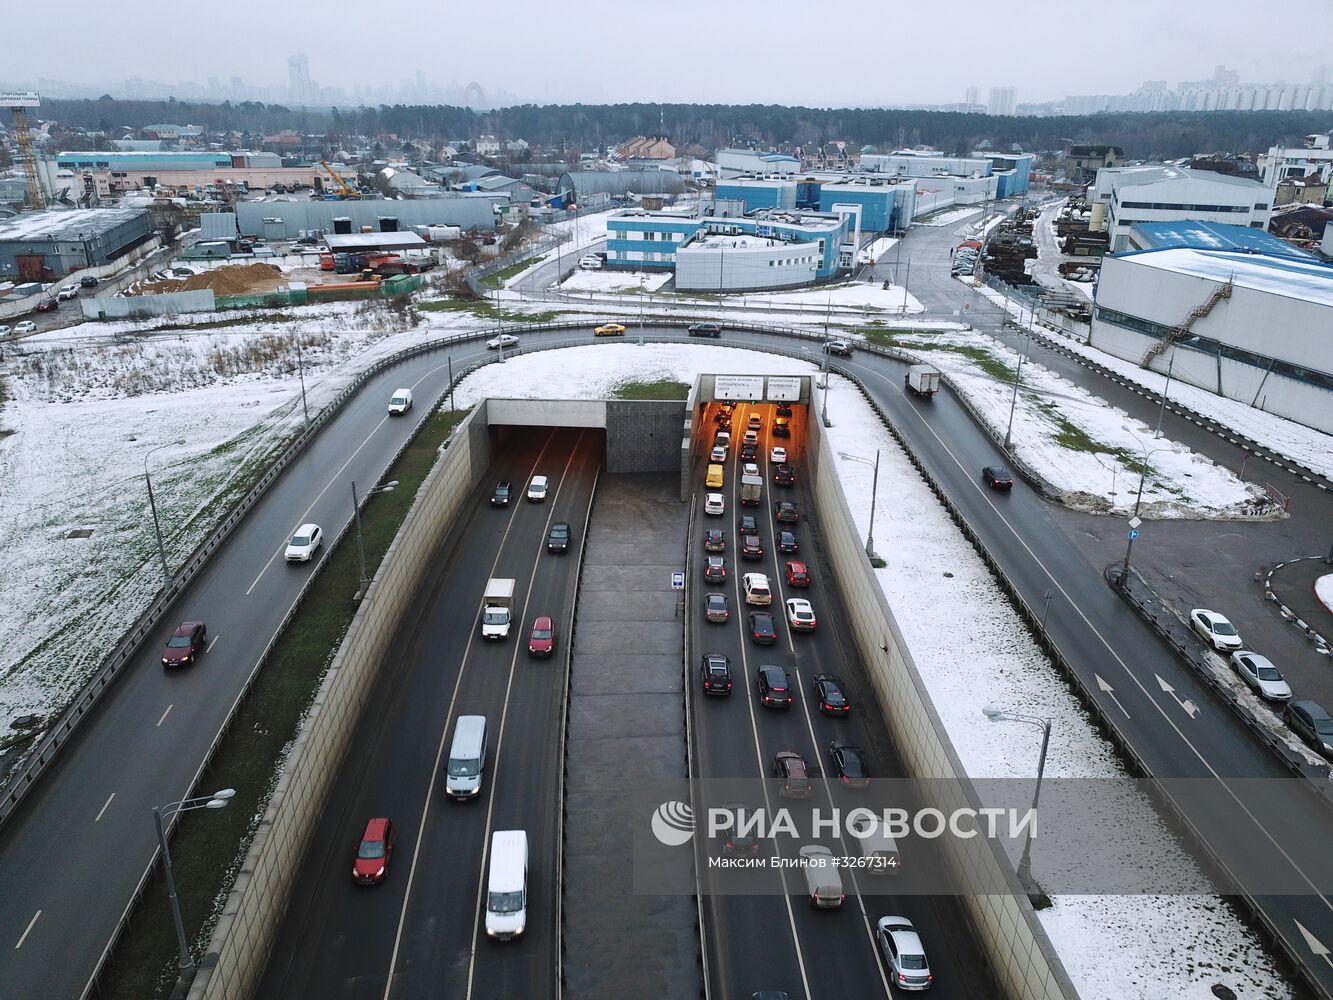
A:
[876,335]
[660,389]
[500,277]
[210,845]
[486,310]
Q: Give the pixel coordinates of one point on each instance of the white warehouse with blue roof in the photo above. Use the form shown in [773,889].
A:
[1248,325]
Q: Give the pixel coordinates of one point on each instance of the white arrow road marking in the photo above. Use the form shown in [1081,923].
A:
[1190,708]
[1313,943]
[1107,689]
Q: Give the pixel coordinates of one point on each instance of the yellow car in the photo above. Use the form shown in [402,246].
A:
[609,330]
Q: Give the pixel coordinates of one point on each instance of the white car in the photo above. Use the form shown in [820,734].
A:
[719,454]
[537,489]
[4,330]
[749,469]
[26,326]
[590,262]
[903,953]
[715,503]
[303,544]
[1260,674]
[800,615]
[504,340]
[777,455]
[1215,630]
[68,292]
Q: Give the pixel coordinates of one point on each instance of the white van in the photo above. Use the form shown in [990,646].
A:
[876,845]
[400,402]
[467,757]
[507,889]
[823,882]
[757,590]
[590,262]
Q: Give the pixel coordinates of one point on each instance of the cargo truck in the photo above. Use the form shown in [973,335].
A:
[497,608]
[922,380]
[752,489]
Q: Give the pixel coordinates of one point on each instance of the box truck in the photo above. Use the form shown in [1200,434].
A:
[923,380]
[497,608]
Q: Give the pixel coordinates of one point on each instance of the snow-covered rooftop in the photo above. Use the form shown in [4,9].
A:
[81,223]
[1310,281]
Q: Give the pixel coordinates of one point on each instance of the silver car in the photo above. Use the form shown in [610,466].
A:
[1259,673]
[903,953]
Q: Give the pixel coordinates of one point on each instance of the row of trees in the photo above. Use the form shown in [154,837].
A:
[1165,135]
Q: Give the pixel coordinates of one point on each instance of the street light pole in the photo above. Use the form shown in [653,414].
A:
[874,490]
[152,506]
[218,800]
[997,714]
[1138,500]
[1170,362]
[1013,401]
[823,405]
[363,582]
[300,370]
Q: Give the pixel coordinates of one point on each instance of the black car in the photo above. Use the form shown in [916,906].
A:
[773,686]
[783,475]
[997,477]
[849,764]
[715,674]
[722,418]
[792,774]
[761,628]
[557,539]
[87,281]
[829,695]
[1310,722]
[787,541]
[749,525]
[781,428]
[748,452]
[735,842]
[785,512]
[715,569]
[715,540]
[715,608]
[784,410]
[752,547]
[503,491]
[705,330]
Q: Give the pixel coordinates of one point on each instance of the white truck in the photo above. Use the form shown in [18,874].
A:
[922,380]
[497,608]
[752,489]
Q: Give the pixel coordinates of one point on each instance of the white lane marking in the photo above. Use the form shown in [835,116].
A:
[103,809]
[165,714]
[1110,693]
[28,931]
[1110,649]
[211,643]
[504,716]
[439,756]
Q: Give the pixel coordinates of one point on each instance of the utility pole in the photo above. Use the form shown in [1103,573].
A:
[1170,362]
[300,369]
[1013,400]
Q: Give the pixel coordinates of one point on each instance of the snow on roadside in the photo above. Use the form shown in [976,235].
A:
[1309,447]
[1323,590]
[971,649]
[613,281]
[948,218]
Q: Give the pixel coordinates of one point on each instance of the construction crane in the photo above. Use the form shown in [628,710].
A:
[18,101]
[345,192]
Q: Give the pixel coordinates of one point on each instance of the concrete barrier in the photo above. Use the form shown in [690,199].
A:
[241,940]
[145,306]
[1023,962]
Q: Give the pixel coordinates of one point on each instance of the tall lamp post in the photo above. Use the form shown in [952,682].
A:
[360,546]
[218,800]
[997,714]
[1013,400]
[874,489]
[152,505]
[300,370]
[1138,500]
[1170,363]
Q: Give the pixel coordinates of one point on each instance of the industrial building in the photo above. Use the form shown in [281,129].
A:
[287,220]
[886,205]
[138,162]
[740,162]
[1314,157]
[47,245]
[772,249]
[1248,326]
[1124,196]
[575,187]
[740,195]
[1209,236]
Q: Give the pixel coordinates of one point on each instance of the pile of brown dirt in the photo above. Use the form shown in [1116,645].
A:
[230,279]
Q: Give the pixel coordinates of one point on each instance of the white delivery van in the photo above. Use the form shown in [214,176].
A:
[823,883]
[400,402]
[757,590]
[880,850]
[507,888]
[467,757]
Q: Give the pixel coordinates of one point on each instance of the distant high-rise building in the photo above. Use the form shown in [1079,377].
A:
[973,97]
[1320,75]
[298,79]
[1002,101]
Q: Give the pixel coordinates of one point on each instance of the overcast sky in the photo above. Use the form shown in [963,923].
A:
[765,51]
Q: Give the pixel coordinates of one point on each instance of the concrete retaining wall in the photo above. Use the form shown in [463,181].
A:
[1023,961]
[144,306]
[643,435]
[241,940]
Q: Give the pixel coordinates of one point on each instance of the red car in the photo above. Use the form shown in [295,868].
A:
[185,644]
[798,574]
[372,855]
[542,640]
[48,305]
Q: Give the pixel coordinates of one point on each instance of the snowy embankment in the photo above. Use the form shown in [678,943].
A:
[613,281]
[972,649]
[1309,447]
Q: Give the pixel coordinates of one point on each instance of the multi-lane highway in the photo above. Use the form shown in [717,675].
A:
[421,931]
[770,938]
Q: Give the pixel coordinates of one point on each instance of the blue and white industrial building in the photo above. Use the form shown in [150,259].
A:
[740,162]
[1203,235]
[886,205]
[137,161]
[771,249]
[1246,325]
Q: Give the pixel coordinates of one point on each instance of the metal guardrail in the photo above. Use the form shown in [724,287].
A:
[475,275]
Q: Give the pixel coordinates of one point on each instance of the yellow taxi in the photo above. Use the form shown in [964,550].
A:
[609,330]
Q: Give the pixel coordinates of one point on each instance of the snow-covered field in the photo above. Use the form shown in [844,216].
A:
[613,281]
[972,649]
[870,296]
[950,217]
[1309,447]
